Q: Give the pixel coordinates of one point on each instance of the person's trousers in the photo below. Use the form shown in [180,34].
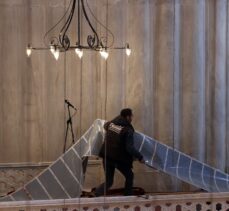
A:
[109,168]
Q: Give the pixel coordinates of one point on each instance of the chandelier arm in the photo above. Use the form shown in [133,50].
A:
[98,21]
[90,40]
[53,27]
[54,41]
[64,40]
[69,17]
[79,33]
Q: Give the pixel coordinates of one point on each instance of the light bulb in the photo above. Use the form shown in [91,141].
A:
[79,52]
[104,54]
[56,54]
[28,50]
[128,50]
[52,49]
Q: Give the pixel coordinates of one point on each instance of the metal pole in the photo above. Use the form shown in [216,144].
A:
[79,22]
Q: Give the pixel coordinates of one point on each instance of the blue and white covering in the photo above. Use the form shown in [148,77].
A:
[64,178]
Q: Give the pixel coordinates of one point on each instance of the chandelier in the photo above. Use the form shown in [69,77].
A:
[62,42]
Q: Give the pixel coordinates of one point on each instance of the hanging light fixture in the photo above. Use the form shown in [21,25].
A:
[52,48]
[79,52]
[29,50]
[56,53]
[128,50]
[104,53]
[62,42]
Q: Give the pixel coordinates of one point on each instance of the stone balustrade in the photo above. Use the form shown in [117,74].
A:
[175,202]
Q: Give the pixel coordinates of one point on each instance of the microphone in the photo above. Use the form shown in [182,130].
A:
[69,104]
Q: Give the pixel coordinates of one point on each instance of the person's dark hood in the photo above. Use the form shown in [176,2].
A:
[119,120]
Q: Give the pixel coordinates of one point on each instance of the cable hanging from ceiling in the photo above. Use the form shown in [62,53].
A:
[63,43]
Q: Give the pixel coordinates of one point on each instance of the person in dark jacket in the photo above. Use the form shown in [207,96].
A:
[118,152]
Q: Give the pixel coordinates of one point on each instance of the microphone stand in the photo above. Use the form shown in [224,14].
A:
[69,124]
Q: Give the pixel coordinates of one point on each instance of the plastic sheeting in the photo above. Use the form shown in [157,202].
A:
[64,178]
